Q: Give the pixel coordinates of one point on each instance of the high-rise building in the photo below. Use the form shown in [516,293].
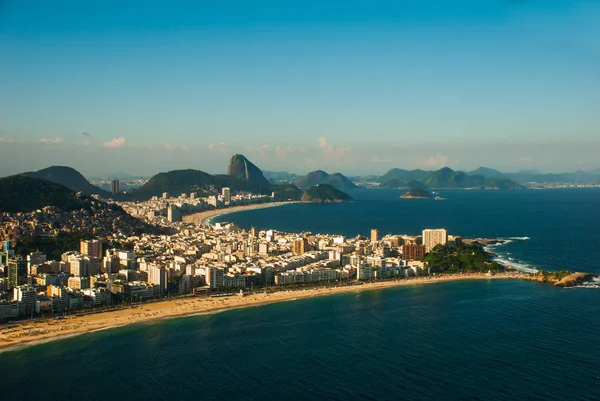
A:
[159,276]
[254,232]
[214,277]
[27,295]
[17,273]
[434,237]
[91,248]
[413,252]
[173,214]
[374,235]
[226,193]
[114,186]
[300,246]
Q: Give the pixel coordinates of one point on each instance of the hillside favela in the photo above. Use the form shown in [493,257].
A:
[333,201]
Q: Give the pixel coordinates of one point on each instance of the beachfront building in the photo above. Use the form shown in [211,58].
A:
[434,237]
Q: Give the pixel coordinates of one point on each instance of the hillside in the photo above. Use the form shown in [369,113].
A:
[177,182]
[280,176]
[311,179]
[25,194]
[324,193]
[397,184]
[488,173]
[336,180]
[241,168]
[68,177]
[403,175]
[287,192]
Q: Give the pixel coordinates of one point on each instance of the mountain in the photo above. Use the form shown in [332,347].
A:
[26,194]
[311,179]
[287,192]
[487,173]
[577,177]
[448,178]
[243,169]
[280,176]
[336,180]
[176,182]
[397,184]
[403,175]
[324,193]
[68,177]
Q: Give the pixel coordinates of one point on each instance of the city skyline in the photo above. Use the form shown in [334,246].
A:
[350,87]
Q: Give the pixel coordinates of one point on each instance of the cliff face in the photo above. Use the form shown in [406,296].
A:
[241,168]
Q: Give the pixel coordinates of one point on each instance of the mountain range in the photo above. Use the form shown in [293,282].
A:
[243,175]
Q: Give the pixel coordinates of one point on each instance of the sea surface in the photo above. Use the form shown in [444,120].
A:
[550,229]
[468,340]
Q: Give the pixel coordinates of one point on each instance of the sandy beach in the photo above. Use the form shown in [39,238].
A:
[203,217]
[33,331]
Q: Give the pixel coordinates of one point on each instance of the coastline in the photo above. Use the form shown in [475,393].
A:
[40,331]
[203,218]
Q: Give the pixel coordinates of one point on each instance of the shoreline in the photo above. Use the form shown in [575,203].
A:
[202,218]
[35,332]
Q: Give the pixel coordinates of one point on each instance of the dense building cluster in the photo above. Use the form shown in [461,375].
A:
[196,259]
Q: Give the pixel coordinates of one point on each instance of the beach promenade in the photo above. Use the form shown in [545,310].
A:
[42,330]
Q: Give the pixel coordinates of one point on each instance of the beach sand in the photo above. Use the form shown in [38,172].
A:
[203,217]
[43,330]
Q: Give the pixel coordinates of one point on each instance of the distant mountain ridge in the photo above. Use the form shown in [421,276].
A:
[336,180]
[447,178]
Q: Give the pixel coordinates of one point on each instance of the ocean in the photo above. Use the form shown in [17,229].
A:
[469,340]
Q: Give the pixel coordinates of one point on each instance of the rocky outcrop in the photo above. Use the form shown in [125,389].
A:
[574,279]
[241,168]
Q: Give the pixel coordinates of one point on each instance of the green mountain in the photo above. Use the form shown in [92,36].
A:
[397,184]
[448,178]
[25,194]
[487,173]
[311,179]
[403,175]
[324,193]
[287,192]
[68,177]
[243,169]
[336,180]
[177,182]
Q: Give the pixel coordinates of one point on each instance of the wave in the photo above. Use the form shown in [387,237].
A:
[507,261]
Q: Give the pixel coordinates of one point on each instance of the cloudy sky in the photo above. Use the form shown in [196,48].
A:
[350,86]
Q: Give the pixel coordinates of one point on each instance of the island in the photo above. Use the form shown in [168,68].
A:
[416,194]
[324,193]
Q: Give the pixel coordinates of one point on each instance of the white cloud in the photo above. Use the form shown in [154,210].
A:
[86,142]
[331,153]
[168,147]
[525,159]
[185,148]
[262,150]
[52,140]
[219,147]
[115,143]
[439,161]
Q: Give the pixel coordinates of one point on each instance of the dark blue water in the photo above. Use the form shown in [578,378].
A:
[563,225]
[463,340]
[486,340]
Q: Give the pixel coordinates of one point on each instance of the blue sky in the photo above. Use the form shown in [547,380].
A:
[353,86]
